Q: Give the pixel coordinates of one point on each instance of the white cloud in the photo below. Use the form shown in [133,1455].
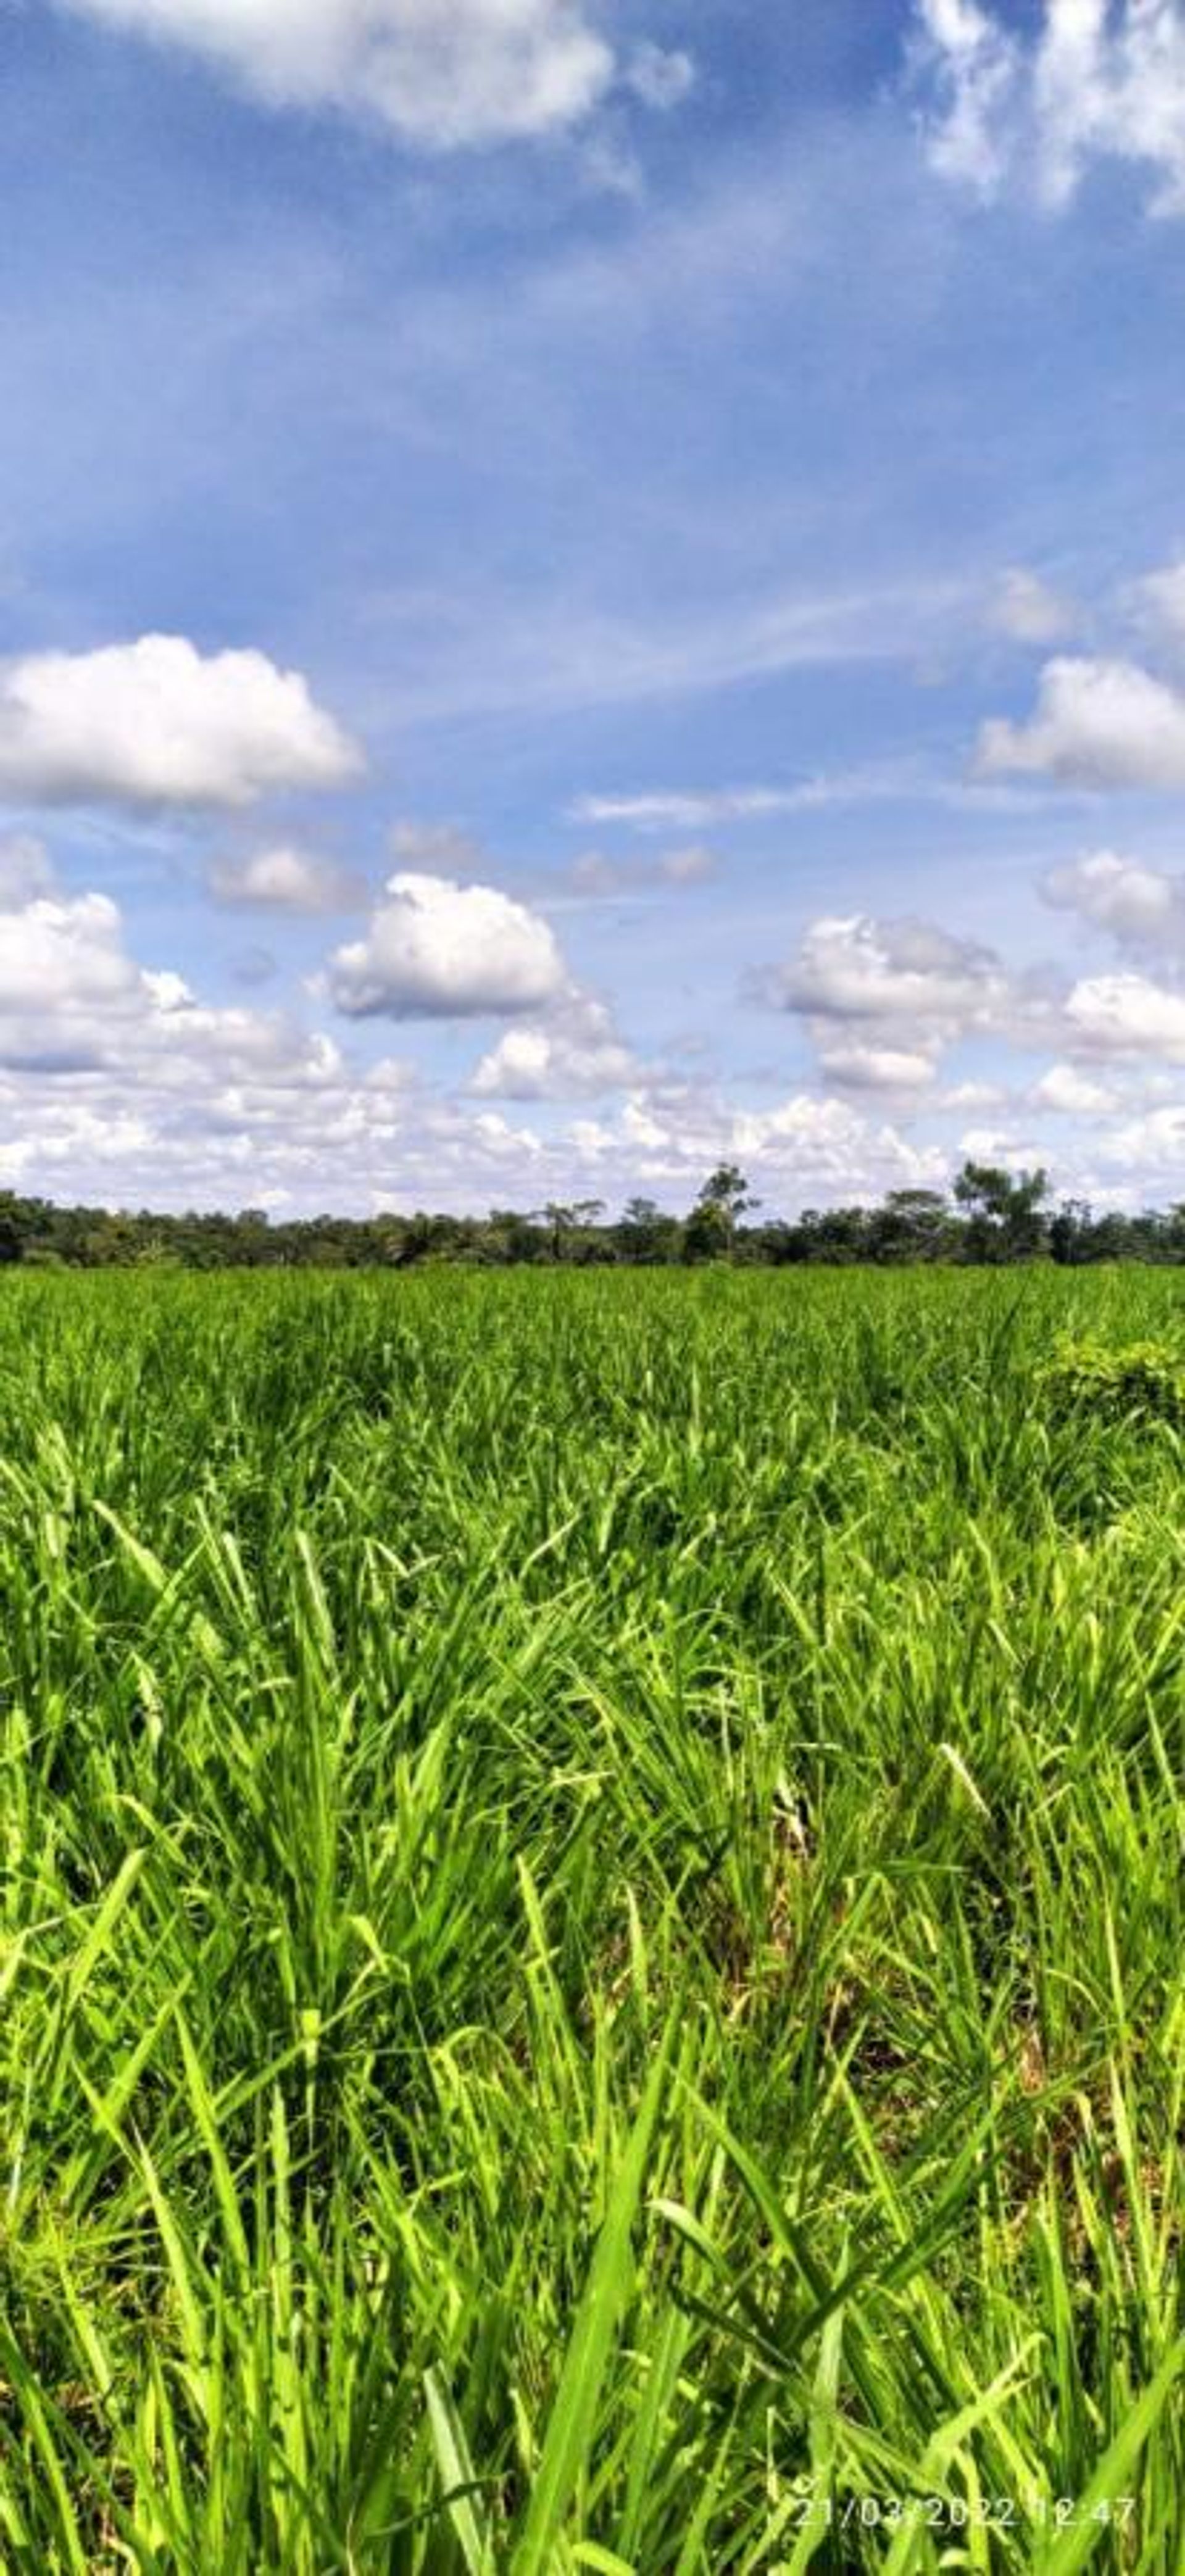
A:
[1026,609]
[1126,1015]
[975,66]
[907,780]
[667,1138]
[883,1000]
[1139,906]
[439,73]
[435,949]
[891,980]
[576,1056]
[677,809]
[1097,80]
[972,1095]
[158,723]
[74,1002]
[660,78]
[1160,601]
[118,1083]
[1071,1094]
[284,879]
[60,958]
[806,1140]
[1097,724]
[873,1068]
[1153,1144]
[999,1145]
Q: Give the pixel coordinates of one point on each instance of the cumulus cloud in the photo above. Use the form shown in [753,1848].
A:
[74,1001]
[60,961]
[1153,1143]
[285,879]
[1140,907]
[667,1137]
[876,1068]
[972,1095]
[1096,80]
[1000,1145]
[439,73]
[575,1056]
[807,1140]
[1097,724]
[117,1080]
[436,949]
[120,1082]
[1071,1094]
[1126,1015]
[158,723]
[897,990]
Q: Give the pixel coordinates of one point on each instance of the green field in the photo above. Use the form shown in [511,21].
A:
[592,1927]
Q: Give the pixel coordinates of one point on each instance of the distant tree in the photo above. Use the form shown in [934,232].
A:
[560,1216]
[1071,1234]
[710,1230]
[512,1236]
[1005,1212]
[12,1232]
[728,1189]
[837,1235]
[910,1225]
[645,1233]
[1115,1237]
[564,1217]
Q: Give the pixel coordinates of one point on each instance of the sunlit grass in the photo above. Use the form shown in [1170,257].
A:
[591,1934]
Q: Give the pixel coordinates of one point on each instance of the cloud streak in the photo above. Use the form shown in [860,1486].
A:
[441,74]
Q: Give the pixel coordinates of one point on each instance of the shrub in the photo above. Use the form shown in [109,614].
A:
[1143,1381]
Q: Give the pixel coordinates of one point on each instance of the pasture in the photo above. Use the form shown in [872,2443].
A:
[590,1926]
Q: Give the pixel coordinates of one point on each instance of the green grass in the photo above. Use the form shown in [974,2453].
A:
[591,1925]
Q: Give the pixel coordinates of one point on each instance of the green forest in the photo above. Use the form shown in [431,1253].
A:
[991,1215]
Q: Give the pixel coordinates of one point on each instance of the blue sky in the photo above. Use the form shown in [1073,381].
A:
[586,588]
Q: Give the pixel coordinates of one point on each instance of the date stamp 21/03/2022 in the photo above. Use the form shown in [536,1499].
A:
[944,2515]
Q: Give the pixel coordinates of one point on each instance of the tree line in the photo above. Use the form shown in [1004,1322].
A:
[989,1216]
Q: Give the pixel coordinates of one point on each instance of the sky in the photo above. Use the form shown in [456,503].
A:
[589,587]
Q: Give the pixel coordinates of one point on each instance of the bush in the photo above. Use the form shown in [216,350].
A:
[1144,1382]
